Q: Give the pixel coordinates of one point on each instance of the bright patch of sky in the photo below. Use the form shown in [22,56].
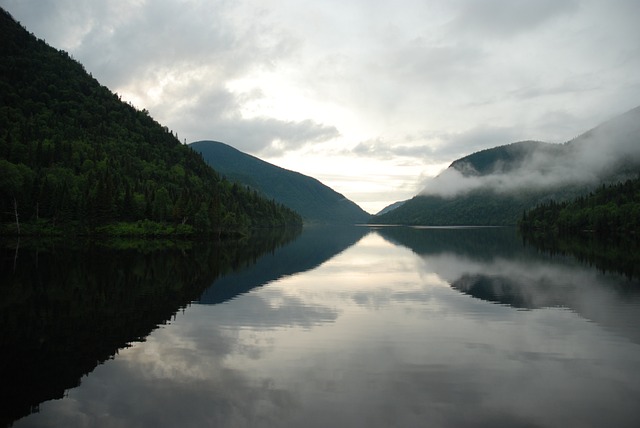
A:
[369,97]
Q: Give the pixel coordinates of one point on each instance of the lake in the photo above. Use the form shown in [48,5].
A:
[353,327]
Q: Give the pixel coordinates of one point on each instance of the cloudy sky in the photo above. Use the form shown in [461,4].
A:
[371,97]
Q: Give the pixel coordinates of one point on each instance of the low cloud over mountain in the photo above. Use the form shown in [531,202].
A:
[611,150]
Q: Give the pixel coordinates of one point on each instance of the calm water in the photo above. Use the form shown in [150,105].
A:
[352,327]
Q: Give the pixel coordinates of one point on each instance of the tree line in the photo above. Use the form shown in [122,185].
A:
[609,210]
[74,156]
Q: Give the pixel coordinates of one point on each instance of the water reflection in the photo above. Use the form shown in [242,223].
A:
[509,272]
[378,335]
[67,307]
[313,247]
[619,254]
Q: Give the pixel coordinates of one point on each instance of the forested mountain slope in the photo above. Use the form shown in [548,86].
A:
[610,210]
[314,201]
[495,186]
[74,156]
[482,205]
[503,159]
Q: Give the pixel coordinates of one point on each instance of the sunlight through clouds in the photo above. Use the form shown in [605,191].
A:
[441,79]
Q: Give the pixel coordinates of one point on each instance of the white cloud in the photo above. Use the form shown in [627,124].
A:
[458,75]
[505,18]
[593,156]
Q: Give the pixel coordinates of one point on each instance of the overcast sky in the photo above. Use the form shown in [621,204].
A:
[368,96]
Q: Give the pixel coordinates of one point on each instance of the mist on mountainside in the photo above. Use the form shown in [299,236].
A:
[608,152]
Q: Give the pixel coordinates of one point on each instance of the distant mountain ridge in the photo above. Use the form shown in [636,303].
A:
[494,186]
[390,207]
[75,158]
[503,159]
[314,201]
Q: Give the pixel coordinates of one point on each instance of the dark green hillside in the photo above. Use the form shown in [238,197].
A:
[316,202]
[610,210]
[390,207]
[74,157]
[503,159]
[543,172]
[483,207]
[479,208]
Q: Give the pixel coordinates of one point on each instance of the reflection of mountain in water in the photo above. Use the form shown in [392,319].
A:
[495,266]
[509,291]
[315,245]
[481,242]
[65,310]
[609,254]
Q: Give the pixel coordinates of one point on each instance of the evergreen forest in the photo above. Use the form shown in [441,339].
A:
[75,158]
[610,210]
[314,201]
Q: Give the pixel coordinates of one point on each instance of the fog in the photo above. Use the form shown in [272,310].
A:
[604,153]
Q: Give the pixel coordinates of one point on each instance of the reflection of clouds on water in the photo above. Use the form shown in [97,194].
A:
[337,347]
[177,377]
[535,284]
[180,376]
[271,309]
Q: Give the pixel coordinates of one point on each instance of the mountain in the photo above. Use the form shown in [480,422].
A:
[504,159]
[608,211]
[390,207]
[315,202]
[482,205]
[477,208]
[495,186]
[75,158]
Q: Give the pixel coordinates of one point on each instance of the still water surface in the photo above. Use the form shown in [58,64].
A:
[378,328]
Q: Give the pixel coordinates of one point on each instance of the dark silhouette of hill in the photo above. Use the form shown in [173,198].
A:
[74,156]
[314,201]
[390,207]
[503,159]
[495,186]
[607,211]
